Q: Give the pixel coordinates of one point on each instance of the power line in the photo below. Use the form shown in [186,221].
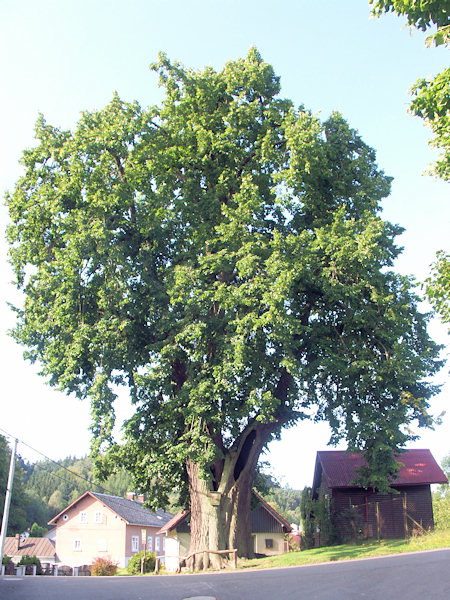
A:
[57,464]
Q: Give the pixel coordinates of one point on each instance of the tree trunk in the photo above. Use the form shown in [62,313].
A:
[220,507]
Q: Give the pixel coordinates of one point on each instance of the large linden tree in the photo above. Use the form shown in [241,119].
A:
[223,256]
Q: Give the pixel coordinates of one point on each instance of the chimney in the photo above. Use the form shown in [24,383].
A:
[140,498]
[130,495]
[17,541]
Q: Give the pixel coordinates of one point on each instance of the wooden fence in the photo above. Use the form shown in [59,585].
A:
[192,555]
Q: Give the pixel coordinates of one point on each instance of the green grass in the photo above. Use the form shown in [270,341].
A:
[430,541]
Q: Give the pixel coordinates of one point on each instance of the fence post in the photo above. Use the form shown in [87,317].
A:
[378,521]
[405,515]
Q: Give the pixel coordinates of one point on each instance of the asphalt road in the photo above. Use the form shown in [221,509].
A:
[419,576]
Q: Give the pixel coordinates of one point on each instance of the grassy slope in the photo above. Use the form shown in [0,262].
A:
[431,541]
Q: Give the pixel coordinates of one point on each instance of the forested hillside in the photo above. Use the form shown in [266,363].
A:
[286,502]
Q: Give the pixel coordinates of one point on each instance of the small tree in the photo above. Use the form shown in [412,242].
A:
[309,523]
[37,531]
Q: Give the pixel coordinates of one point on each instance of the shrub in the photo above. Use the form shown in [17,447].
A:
[102,567]
[441,511]
[134,564]
[31,560]
[6,560]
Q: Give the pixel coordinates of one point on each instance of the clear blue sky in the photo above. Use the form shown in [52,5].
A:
[60,57]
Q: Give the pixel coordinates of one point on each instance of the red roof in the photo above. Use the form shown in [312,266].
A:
[339,467]
[174,521]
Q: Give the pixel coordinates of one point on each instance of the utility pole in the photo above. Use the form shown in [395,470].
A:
[9,487]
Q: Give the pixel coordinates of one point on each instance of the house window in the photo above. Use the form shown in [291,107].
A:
[83,516]
[157,544]
[269,543]
[135,543]
[101,545]
[164,544]
[98,517]
[150,543]
[77,545]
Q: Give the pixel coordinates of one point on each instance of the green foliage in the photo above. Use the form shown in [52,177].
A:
[445,464]
[441,500]
[6,560]
[431,102]
[308,522]
[422,15]
[264,481]
[286,502]
[134,564]
[438,286]
[441,511]
[103,567]
[431,98]
[223,255]
[31,560]
[37,531]
[324,516]
[317,518]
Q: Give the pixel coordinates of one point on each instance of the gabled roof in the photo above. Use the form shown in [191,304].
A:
[338,468]
[181,516]
[30,546]
[281,520]
[132,512]
[174,521]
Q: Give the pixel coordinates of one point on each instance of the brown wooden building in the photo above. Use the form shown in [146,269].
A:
[364,511]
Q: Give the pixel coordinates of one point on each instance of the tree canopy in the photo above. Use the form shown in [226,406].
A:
[438,286]
[431,102]
[223,256]
[431,98]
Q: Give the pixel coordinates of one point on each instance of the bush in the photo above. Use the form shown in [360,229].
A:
[441,511]
[134,564]
[6,560]
[102,567]
[30,560]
